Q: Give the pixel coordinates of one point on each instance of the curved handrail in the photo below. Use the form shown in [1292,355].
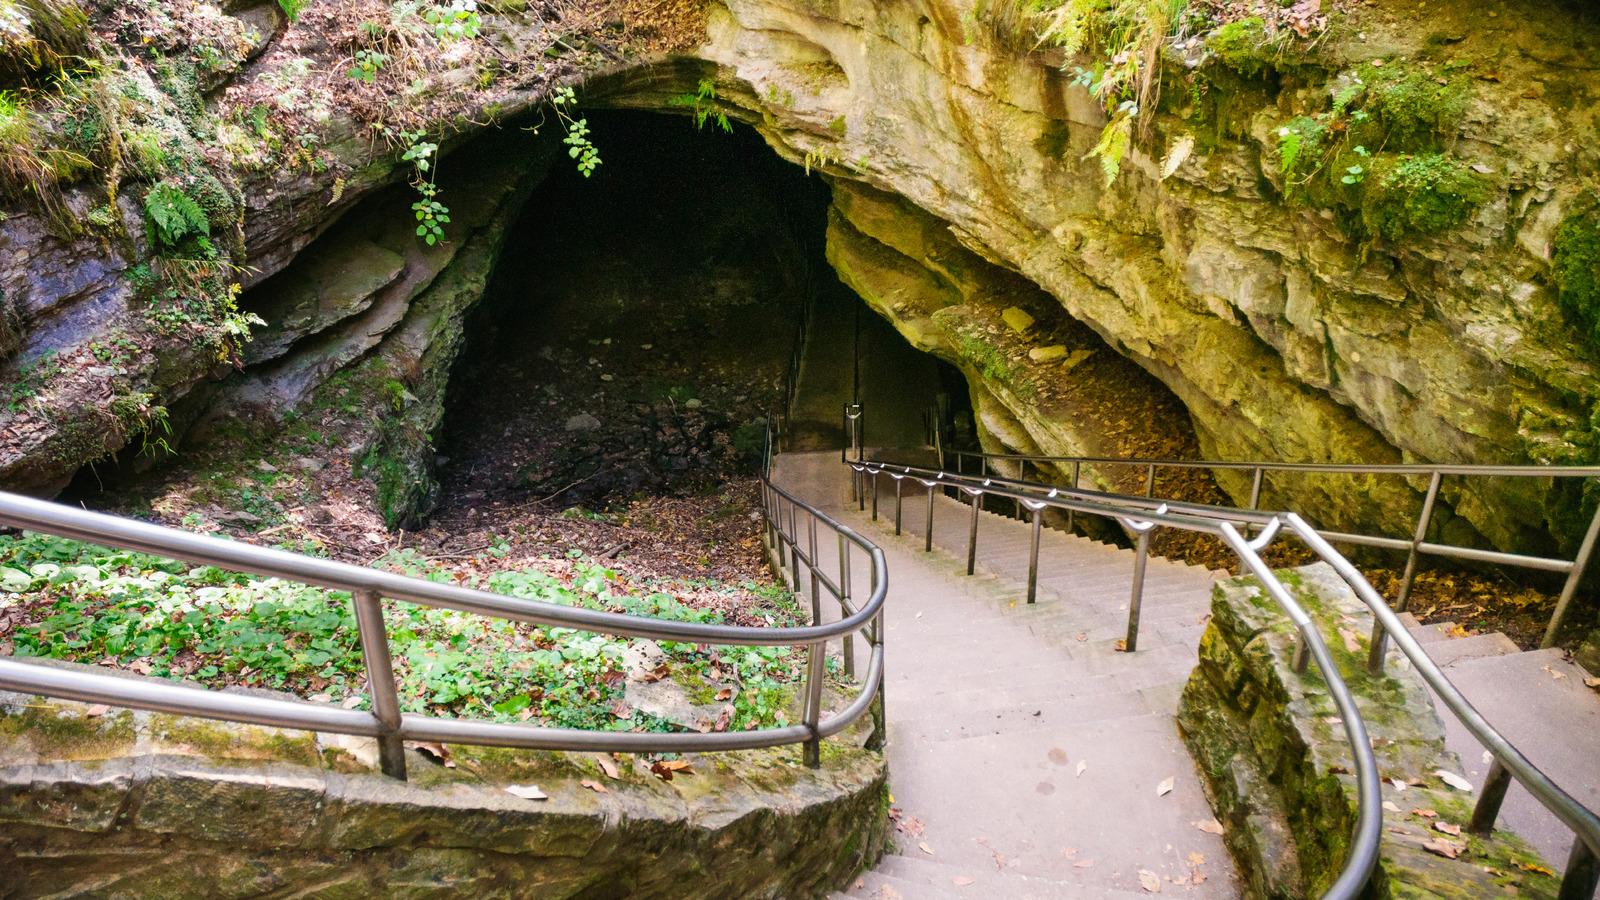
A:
[1416,547]
[1223,522]
[367,586]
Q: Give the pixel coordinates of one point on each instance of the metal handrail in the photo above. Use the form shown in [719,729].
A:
[1415,548]
[1141,514]
[369,586]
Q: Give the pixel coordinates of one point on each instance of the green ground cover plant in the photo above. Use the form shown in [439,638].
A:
[161,617]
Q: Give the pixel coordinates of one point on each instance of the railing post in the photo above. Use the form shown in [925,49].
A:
[1150,481]
[816,654]
[898,485]
[1072,513]
[1140,555]
[1033,554]
[794,548]
[844,602]
[811,569]
[1571,587]
[972,538]
[1416,542]
[1487,809]
[875,495]
[1255,490]
[1582,874]
[380,682]
[927,540]
[1378,645]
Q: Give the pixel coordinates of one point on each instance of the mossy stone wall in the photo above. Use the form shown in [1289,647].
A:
[133,804]
[1273,756]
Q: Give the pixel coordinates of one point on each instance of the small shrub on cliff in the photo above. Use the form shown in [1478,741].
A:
[1423,194]
[1414,109]
[1575,266]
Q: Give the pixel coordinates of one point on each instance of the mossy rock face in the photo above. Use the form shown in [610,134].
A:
[1575,265]
[135,804]
[1274,753]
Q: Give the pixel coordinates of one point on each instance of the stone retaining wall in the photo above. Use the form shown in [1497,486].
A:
[141,805]
[1272,752]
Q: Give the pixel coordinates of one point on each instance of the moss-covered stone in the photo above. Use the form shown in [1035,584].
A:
[180,808]
[1274,753]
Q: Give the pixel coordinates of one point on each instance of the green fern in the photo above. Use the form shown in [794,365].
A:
[174,215]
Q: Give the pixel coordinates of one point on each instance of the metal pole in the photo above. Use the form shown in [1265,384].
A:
[1487,809]
[1033,555]
[1377,646]
[1582,874]
[1140,555]
[794,549]
[811,569]
[1255,490]
[1573,577]
[927,541]
[875,495]
[844,604]
[1416,542]
[972,538]
[812,752]
[1071,513]
[1150,481]
[380,682]
[898,484]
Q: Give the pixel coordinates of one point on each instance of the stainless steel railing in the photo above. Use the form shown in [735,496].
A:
[1140,515]
[1417,547]
[369,589]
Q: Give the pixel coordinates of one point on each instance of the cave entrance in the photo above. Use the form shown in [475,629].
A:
[641,326]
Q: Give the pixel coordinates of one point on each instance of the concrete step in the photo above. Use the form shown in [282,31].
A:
[1477,646]
[1538,700]
[1433,632]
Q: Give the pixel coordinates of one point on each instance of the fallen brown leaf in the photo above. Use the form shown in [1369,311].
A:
[1165,787]
[1209,827]
[725,694]
[595,786]
[1447,828]
[1425,813]
[1197,859]
[1082,764]
[1150,881]
[961,880]
[1442,848]
[923,846]
[1083,864]
[1390,807]
[99,709]
[607,765]
[437,751]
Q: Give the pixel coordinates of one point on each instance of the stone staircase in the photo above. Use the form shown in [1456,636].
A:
[1538,700]
[994,704]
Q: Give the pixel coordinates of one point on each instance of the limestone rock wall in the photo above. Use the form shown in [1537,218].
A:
[1284,337]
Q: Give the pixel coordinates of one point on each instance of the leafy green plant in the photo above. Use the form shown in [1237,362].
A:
[175,216]
[1357,173]
[579,147]
[366,64]
[166,618]
[457,20]
[703,103]
[293,8]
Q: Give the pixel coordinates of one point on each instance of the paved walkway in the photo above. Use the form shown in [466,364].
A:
[1026,754]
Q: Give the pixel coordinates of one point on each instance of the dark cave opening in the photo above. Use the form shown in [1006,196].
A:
[638,332]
